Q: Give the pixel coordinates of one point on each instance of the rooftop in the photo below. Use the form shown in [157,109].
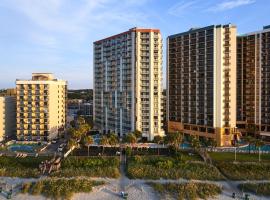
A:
[196,29]
[135,29]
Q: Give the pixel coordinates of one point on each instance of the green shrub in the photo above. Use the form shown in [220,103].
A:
[257,188]
[60,188]
[187,190]
[167,164]
[170,168]
[26,187]
[128,151]
[91,167]
[20,167]
[37,188]
[244,171]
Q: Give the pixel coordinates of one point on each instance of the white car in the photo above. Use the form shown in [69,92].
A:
[60,149]
[54,141]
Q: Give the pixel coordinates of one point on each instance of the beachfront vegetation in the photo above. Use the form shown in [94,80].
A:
[59,188]
[189,190]
[247,166]
[89,166]
[244,171]
[180,166]
[20,167]
[256,188]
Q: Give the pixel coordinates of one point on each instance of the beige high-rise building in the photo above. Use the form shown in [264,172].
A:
[201,82]
[41,107]
[7,117]
[128,83]
[253,82]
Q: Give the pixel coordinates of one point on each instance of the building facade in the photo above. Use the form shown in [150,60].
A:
[7,117]
[41,107]
[201,82]
[164,111]
[128,83]
[80,107]
[253,82]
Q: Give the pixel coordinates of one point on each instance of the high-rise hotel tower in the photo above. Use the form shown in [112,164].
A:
[201,82]
[253,82]
[128,83]
[41,107]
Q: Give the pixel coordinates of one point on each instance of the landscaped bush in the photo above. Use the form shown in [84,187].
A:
[244,171]
[170,168]
[187,190]
[89,166]
[59,188]
[20,167]
[257,188]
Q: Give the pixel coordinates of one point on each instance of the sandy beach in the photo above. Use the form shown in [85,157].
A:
[136,189]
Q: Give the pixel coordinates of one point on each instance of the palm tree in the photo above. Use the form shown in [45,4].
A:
[131,139]
[88,140]
[104,141]
[113,139]
[212,143]
[174,139]
[249,140]
[138,134]
[76,134]
[251,129]
[195,143]
[158,139]
[80,120]
[258,144]
[72,144]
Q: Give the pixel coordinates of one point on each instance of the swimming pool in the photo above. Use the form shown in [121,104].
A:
[23,148]
[185,145]
[253,148]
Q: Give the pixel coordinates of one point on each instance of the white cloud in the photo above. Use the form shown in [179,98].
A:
[231,4]
[58,34]
[180,7]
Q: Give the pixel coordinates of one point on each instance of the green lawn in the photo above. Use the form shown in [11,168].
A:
[189,190]
[20,167]
[59,188]
[89,166]
[240,157]
[155,167]
[256,188]
[247,166]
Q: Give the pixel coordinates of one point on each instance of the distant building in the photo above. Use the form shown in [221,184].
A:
[41,107]
[80,107]
[253,82]
[201,83]
[164,112]
[7,117]
[8,92]
[128,83]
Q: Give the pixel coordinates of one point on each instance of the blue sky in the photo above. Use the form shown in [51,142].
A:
[57,35]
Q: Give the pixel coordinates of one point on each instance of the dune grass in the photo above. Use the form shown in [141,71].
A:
[59,188]
[147,167]
[189,190]
[262,189]
[90,167]
[20,167]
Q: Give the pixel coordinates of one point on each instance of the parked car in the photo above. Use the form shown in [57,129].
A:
[54,141]
[63,145]
[60,149]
